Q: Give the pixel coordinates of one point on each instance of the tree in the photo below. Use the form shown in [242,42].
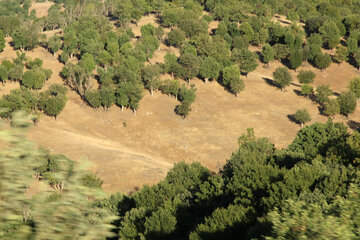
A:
[307,90]
[281,51]
[171,63]
[107,95]
[354,86]
[268,54]
[356,57]
[176,37]
[93,98]
[331,107]
[302,116]
[330,34]
[306,76]
[54,44]
[183,109]
[34,78]
[87,62]
[151,77]
[2,41]
[191,65]
[209,69]
[347,102]
[341,54]
[3,74]
[282,77]
[231,79]
[16,72]
[26,37]
[322,93]
[54,105]
[170,87]
[322,61]
[246,59]
[295,59]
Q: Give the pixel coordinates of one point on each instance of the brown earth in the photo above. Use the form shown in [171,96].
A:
[155,138]
[41,8]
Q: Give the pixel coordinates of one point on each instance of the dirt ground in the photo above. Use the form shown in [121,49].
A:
[156,138]
[41,8]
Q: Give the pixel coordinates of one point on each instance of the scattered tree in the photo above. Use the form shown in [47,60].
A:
[282,77]
[347,102]
[306,76]
[302,116]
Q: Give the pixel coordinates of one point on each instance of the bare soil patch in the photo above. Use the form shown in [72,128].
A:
[41,8]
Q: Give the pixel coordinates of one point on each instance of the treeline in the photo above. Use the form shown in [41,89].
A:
[310,190]
[28,98]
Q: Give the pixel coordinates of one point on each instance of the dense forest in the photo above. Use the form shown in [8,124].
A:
[309,190]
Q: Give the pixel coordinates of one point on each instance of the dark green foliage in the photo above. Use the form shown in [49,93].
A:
[176,38]
[151,77]
[268,53]
[307,90]
[209,69]
[282,77]
[306,76]
[281,51]
[54,105]
[318,139]
[107,96]
[330,34]
[170,87]
[296,59]
[322,93]
[191,65]
[341,54]
[322,61]
[18,99]
[231,79]
[93,98]
[331,107]
[36,63]
[129,95]
[2,40]
[90,180]
[34,78]
[246,59]
[347,101]
[3,74]
[354,86]
[302,116]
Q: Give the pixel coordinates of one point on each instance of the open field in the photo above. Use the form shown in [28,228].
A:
[155,138]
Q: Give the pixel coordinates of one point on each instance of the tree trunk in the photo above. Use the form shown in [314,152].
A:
[206,80]
[134,110]
[122,108]
[236,94]
[302,125]
[152,91]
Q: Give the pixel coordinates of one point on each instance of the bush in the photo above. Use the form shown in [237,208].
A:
[354,86]
[331,107]
[54,105]
[34,78]
[306,76]
[307,90]
[93,98]
[282,77]
[176,37]
[347,101]
[302,116]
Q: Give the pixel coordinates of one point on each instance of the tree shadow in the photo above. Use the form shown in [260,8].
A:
[353,125]
[295,84]
[291,117]
[270,82]
[298,92]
